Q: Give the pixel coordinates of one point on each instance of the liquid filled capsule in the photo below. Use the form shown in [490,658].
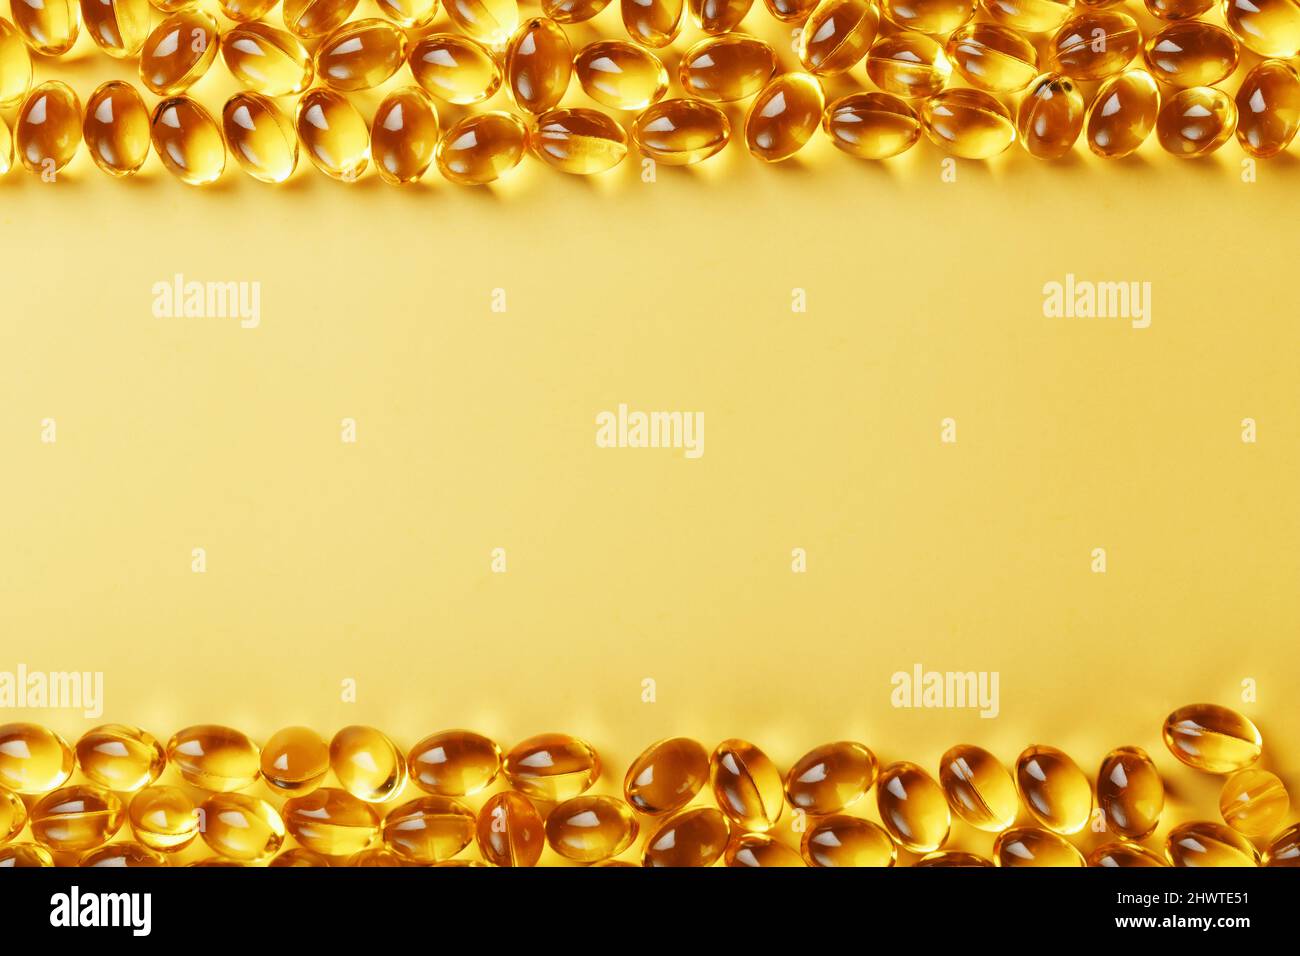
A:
[539,63]
[573,11]
[681,132]
[47,133]
[409,14]
[1050,117]
[266,60]
[207,755]
[952,859]
[837,35]
[74,819]
[20,855]
[1267,27]
[309,19]
[1268,109]
[454,763]
[784,116]
[164,818]
[13,815]
[716,17]
[429,829]
[790,11]
[578,141]
[510,831]
[1191,53]
[830,778]
[652,23]
[1285,848]
[366,761]
[455,68]
[726,68]
[1029,16]
[871,125]
[993,57]
[1122,114]
[908,64]
[1178,9]
[758,850]
[295,759]
[360,55]
[967,123]
[116,130]
[1054,789]
[1205,736]
[119,27]
[746,785]
[1029,846]
[1130,793]
[912,807]
[241,828]
[620,75]
[695,837]
[331,821]
[15,65]
[122,854]
[1123,856]
[938,17]
[551,767]
[1254,802]
[118,757]
[178,52]
[491,21]
[1209,844]
[33,759]
[590,828]
[979,789]
[841,841]
[403,136]
[338,143]
[50,27]
[666,776]
[1095,45]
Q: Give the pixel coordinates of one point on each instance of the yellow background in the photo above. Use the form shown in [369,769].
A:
[329,561]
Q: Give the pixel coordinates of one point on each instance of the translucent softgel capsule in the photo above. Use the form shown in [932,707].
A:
[492,21]
[429,830]
[620,75]
[263,142]
[1209,844]
[295,759]
[1054,789]
[18,855]
[510,831]
[122,854]
[979,789]
[1178,9]
[539,63]
[912,807]
[952,859]
[481,148]
[681,132]
[552,767]
[74,819]
[573,11]
[455,68]
[47,133]
[454,763]
[404,135]
[164,818]
[1029,846]
[1206,736]
[967,123]
[49,26]
[178,52]
[1122,114]
[578,141]
[871,125]
[588,829]
[993,57]
[116,129]
[15,65]
[1191,53]
[718,16]
[33,759]
[746,785]
[208,755]
[726,68]
[334,135]
[308,19]
[119,27]
[360,55]
[119,757]
[1254,802]
[410,14]
[831,777]
[1285,848]
[758,850]
[1050,116]
[695,837]
[242,828]
[1268,27]
[908,64]
[1095,45]
[666,776]
[1123,856]
[784,116]
[266,60]
[331,821]
[1130,793]
[1268,108]
[938,17]
[837,35]
[13,815]
[790,11]
[366,761]
[652,23]
[840,840]
[1029,16]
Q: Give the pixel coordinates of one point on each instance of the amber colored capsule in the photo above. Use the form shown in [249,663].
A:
[264,144]
[840,840]
[938,17]
[979,789]
[1122,114]
[122,854]
[871,125]
[49,26]
[908,64]
[15,65]
[539,63]
[72,819]
[952,859]
[746,785]
[967,123]
[694,837]
[758,850]
[1191,53]
[13,815]
[1050,117]
[716,17]
[298,858]
[681,132]
[366,762]
[481,148]
[118,757]
[308,19]
[295,759]
[652,23]
[1030,846]
[119,27]
[33,759]
[360,55]
[1029,16]
[666,776]
[17,855]
[164,818]
[830,778]
[1206,736]
[784,116]
[455,68]
[47,133]
[510,831]
[589,828]
[207,755]
[1054,789]
[454,763]
[1268,108]
[116,130]
[1178,9]
[1285,848]
[837,35]
[1254,802]
[551,767]
[620,75]
[242,828]
[1095,45]
[573,11]
[409,14]
[1123,856]
[993,57]
[1130,793]
[726,68]
[1267,27]
[578,141]
[489,21]
[429,829]
[790,11]
[913,807]
[267,60]
[1209,844]
[403,136]
[335,137]
[331,821]
[178,52]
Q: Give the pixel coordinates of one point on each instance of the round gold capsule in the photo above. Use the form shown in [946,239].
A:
[118,757]
[871,125]
[837,35]
[1191,53]
[429,829]
[122,854]
[178,52]
[652,23]
[620,75]
[489,21]
[831,777]
[266,60]
[913,807]
[717,17]
[308,19]
[967,123]
[454,763]
[47,133]
[1285,848]
[539,63]
[360,55]
[681,132]
[75,819]
[210,756]
[404,135]
[1029,846]
[1123,856]
[116,130]
[1122,114]
[366,762]
[241,828]
[979,789]
[13,815]
[1268,108]
[938,17]
[908,64]
[336,139]
[1130,793]
[1095,45]
[758,850]
[993,57]
[1050,117]
[454,68]
[726,68]
[573,11]
[784,116]
[591,828]
[1267,27]
[164,818]
[510,831]
[695,837]
[118,27]
[1029,16]
[666,776]
[15,65]
[1254,802]
[33,759]
[578,141]
[1205,736]
[552,767]
[746,785]
[50,27]
[295,759]
[840,840]
[331,821]
[1209,844]
[1054,789]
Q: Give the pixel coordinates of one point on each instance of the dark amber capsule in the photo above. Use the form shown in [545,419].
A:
[784,116]
[938,17]
[746,785]
[830,778]
[913,807]
[578,141]
[455,68]
[74,819]
[1254,802]
[481,149]
[116,130]
[403,136]
[1191,53]
[308,19]
[652,23]
[1053,788]
[47,134]
[871,125]
[790,11]
[510,831]
[295,759]
[1029,16]
[758,850]
[719,16]
[338,144]
[1130,793]
[1205,736]
[589,829]
[1268,27]
[726,68]
[208,756]
[539,63]
[1096,44]
[837,35]
[1268,109]
[620,75]
[1178,9]
[267,60]
[573,11]
[1029,846]
[666,776]
[952,859]
[1285,848]
[331,821]
[454,763]
[993,57]
[1123,856]
[120,758]
[360,55]
[681,132]
[694,837]
[118,27]
[908,64]
[122,854]
[552,767]
[50,27]
[967,123]
[979,789]
[1209,844]
[178,52]
[1050,116]
[840,840]
[1122,114]
[429,829]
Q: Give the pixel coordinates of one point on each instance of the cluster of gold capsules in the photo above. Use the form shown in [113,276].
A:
[547,802]
[1041,56]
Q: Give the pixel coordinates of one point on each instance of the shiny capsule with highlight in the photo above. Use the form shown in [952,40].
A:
[1285,848]
[1254,802]
[47,133]
[309,19]
[481,148]
[913,807]
[489,21]
[242,828]
[937,17]
[1029,16]
[455,69]
[844,841]
[831,777]
[652,23]
[588,829]
[967,123]
[1122,114]
[620,75]
[1123,856]
[208,756]
[15,65]
[717,17]
[295,759]
[1029,846]
[1096,44]
[164,818]
[1053,788]
[552,767]
[837,35]
[266,60]
[573,11]
[1267,27]
[454,763]
[681,132]
[33,759]
[1209,844]
[760,851]
[116,131]
[50,27]
[337,142]
[696,837]
[578,141]
[179,52]
[790,11]
[1205,736]
[116,756]
[366,761]
[908,64]
[979,789]
[746,785]
[1130,793]
[510,831]
[360,55]
[75,819]
[118,27]
[403,136]
[871,125]
[1268,108]
[666,776]
[726,68]
[784,116]
[1191,53]
[539,63]
[13,815]
[993,57]
[429,829]
[331,821]
[1050,116]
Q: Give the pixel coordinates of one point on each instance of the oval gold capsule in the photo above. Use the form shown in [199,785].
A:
[952,859]
[726,68]
[490,21]
[1122,114]
[837,35]
[652,23]
[15,65]
[298,857]
[122,854]
[242,828]
[336,139]
[366,761]
[1095,45]
[178,52]
[1029,16]
[1285,848]
[1254,802]
[1178,9]
[573,11]
[116,130]
[871,125]
[784,116]
[913,807]
[360,55]
[1054,789]
[455,68]
[840,840]
[331,822]
[510,831]
[790,11]
[1268,109]
[1050,117]
[429,829]
[454,763]
[403,136]
[967,123]
[118,757]
[666,776]
[119,27]
[309,19]
[746,784]
[1206,736]
[696,837]
[993,57]
[295,759]
[1267,27]
[908,64]
[481,149]
[208,756]
[758,850]
[1209,844]
[164,818]
[831,777]
[539,63]
[578,141]
[33,759]
[1191,53]
[266,60]
[551,767]
[620,75]
[928,16]
[979,789]
[50,27]
[681,132]
[589,829]
[1123,856]
[1029,846]
[409,14]
[47,134]
[1130,793]
[74,819]
[716,17]
[13,815]
[18,855]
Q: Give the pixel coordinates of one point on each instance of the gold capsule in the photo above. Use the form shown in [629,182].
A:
[207,755]
[837,35]
[790,11]
[1095,45]
[454,763]
[190,144]
[33,759]
[1029,16]
[47,134]
[295,759]
[403,136]
[681,132]
[15,65]
[928,16]
[242,828]
[367,763]
[719,16]
[758,850]
[1029,846]
[830,778]
[993,58]
[1123,856]
[481,148]
[334,134]
[308,19]
[116,129]
[119,27]
[666,776]
[429,829]
[1285,848]
[552,767]
[908,64]
[746,785]
[1267,27]
[49,26]
[952,859]
[1130,793]
[267,60]
[726,68]
[1268,108]
[246,11]
[378,856]
[1209,844]
[1054,789]
[510,831]
[538,65]
[409,14]
[298,858]
[573,11]
[18,855]
[360,55]
[164,818]
[1050,117]
[178,52]
[784,116]
[840,840]
[589,829]
[913,807]
[1178,9]
[578,141]
[652,23]
[1122,114]
[1254,802]
[620,75]
[979,789]
[455,68]
[490,21]
[967,123]
[122,854]
[331,821]
[13,815]
[1191,53]
[1206,736]
[871,125]
[694,837]
[73,819]
[120,758]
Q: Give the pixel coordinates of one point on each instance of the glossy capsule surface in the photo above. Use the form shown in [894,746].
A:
[295,759]
[908,64]
[666,776]
[454,68]
[360,55]
[716,17]
[1209,844]
[1178,9]
[681,132]
[1254,802]
[510,831]
[1268,108]
[49,26]
[695,837]
[491,21]
[47,133]
[871,125]
[1029,16]
[1123,856]
[331,821]
[578,141]
[746,785]
[164,818]
[652,23]
[1122,114]
[15,65]
[33,759]
[454,763]
[116,131]
[1267,27]
[967,123]
[837,35]
[118,27]
[844,841]
[1096,44]
[13,815]
[726,68]
[1053,788]
[1050,116]
[265,145]
[912,807]
[551,767]
[758,850]
[178,52]
[784,116]
[403,136]
[1130,793]
[1191,53]
[993,57]
[539,63]
[952,859]
[481,148]
[429,829]
[1206,736]
[978,788]
[790,11]
[308,19]
[831,777]
[573,11]
[266,60]
[242,828]
[591,828]
[938,17]
[1029,846]
[1285,848]
[366,762]
[20,855]
[620,75]
[122,854]
[74,819]
[119,757]
[209,756]
[409,14]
